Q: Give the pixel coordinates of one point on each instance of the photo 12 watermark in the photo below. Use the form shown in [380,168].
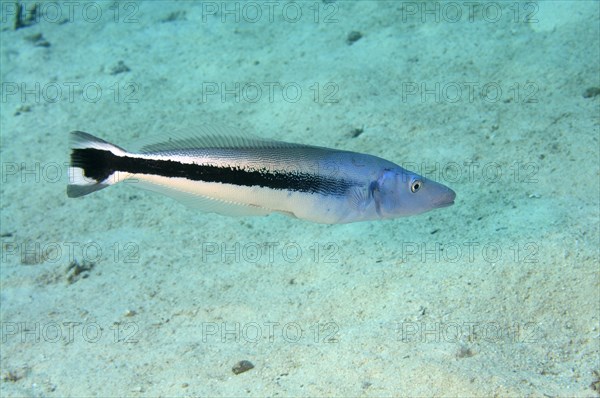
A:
[272,252]
[468,331]
[291,12]
[489,12]
[69,92]
[33,252]
[26,13]
[269,332]
[66,332]
[253,92]
[517,172]
[469,92]
[469,252]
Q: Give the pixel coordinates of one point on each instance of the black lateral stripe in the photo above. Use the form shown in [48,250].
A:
[100,164]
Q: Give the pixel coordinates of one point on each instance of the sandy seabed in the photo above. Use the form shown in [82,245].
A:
[126,292]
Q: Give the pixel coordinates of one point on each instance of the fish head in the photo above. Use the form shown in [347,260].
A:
[399,192]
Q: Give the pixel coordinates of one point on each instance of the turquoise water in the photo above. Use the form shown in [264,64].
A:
[125,292]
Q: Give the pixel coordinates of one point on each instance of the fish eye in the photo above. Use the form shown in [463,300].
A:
[415,186]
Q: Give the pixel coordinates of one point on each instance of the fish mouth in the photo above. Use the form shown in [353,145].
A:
[445,204]
[447,199]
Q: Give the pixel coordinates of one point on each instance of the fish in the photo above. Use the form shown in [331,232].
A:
[219,170]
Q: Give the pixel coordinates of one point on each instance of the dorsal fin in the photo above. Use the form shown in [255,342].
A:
[208,136]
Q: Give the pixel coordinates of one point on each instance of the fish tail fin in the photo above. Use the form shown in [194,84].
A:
[94,164]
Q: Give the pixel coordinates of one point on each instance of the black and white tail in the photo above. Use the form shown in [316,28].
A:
[94,164]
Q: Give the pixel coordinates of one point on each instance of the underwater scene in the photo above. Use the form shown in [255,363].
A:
[317,198]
